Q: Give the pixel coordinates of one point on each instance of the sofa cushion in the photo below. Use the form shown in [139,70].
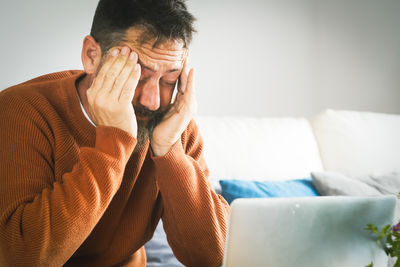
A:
[259,148]
[336,184]
[232,189]
[358,143]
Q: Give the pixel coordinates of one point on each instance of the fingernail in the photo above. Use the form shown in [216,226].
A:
[132,56]
[125,51]
[115,52]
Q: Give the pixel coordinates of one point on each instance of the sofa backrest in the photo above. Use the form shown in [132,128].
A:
[258,148]
[358,143]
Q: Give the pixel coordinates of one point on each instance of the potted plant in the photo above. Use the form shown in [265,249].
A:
[388,239]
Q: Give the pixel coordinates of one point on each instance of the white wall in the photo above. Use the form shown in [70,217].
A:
[39,37]
[253,58]
[359,54]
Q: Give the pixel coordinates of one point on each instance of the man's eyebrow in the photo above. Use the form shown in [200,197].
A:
[144,66]
[150,69]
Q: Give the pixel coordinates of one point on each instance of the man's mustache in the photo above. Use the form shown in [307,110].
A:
[142,111]
[154,116]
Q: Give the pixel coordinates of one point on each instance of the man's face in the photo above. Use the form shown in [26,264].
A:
[161,67]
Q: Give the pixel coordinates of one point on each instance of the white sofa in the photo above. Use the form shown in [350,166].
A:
[351,143]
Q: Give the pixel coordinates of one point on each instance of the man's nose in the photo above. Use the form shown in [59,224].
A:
[150,95]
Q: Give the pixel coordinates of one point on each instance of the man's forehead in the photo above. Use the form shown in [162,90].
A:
[169,50]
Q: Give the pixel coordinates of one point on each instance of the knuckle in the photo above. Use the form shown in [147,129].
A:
[90,96]
[121,60]
[112,73]
[104,104]
[130,63]
[101,73]
[119,81]
[98,102]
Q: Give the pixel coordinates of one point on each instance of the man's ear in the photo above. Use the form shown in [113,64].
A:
[91,55]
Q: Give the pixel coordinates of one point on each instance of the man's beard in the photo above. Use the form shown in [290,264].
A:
[146,127]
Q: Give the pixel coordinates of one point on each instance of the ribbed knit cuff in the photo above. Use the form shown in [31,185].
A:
[175,171]
[172,157]
[115,142]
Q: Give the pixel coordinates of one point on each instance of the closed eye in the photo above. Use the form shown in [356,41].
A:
[169,83]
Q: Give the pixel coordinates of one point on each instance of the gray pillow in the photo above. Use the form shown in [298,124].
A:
[336,184]
[158,251]
[387,183]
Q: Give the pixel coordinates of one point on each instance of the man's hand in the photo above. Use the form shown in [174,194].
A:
[175,121]
[110,96]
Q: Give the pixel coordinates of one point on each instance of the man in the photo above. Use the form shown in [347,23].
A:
[91,161]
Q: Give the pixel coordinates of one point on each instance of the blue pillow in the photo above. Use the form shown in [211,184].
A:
[232,189]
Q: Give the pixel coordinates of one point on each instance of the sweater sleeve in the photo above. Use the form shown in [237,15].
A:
[43,221]
[195,216]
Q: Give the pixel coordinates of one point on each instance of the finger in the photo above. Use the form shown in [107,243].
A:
[185,95]
[190,93]
[190,88]
[129,88]
[96,87]
[184,101]
[115,70]
[183,76]
[110,58]
[124,75]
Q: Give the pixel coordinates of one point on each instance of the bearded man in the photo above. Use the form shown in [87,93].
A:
[92,160]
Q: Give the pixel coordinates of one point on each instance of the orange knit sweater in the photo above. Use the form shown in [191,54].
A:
[76,195]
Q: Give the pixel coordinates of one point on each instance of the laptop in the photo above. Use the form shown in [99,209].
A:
[307,232]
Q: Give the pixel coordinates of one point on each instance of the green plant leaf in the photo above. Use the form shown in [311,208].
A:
[372,228]
[385,231]
[396,248]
